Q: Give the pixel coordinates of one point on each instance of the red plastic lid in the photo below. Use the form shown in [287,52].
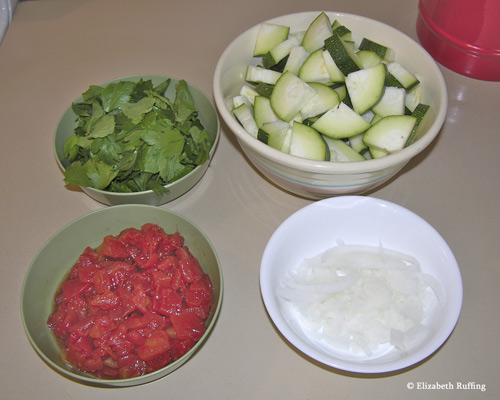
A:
[462,35]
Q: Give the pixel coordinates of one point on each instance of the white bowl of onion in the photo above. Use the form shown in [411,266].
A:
[361,284]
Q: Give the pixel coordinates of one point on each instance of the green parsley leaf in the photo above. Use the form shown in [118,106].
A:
[116,94]
[136,111]
[130,137]
[184,103]
[71,148]
[93,173]
[104,127]
[100,173]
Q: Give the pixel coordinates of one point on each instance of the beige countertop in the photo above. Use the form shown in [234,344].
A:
[54,49]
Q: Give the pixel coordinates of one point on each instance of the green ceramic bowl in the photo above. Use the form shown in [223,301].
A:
[55,259]
[208,117]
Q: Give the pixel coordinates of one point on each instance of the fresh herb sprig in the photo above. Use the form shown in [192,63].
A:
[130,137]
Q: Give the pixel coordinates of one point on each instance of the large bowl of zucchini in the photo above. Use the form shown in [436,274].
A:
[328,103]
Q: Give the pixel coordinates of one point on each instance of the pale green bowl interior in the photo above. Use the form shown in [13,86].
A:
[208,117]
[55,259]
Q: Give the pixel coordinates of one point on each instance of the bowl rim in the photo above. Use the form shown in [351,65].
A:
[169,185]
[326,167]
[138,380]
[372,367]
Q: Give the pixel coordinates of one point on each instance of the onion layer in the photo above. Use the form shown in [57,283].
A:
[357,298]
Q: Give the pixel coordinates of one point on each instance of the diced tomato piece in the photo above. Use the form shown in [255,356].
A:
[119,313]
[127,302]
[120,265]
[145,253]
[58,316]
[147,260]
[97,331]
[150,242]
[191,271]
[181,347]
[160,280]
[103,346]
[112,247]
[177,281]
[152,228]
[89,258]
[102,281]
[144,279]
[74,287]
[131,366]
[168,263]
[63,321]
[136,337]
[189,265]
[158,343]
[79,350]
[167,302]
[81,328]
[134,252]
[130,236]
[183,253]
[158,362]
[86,274]
[107,301]
[173,242]
[136,321]
[101,326]
[119,272]
[158,321]
[84,345]
[201,311]
[198,294]
[139,298]
[188,325]
[120,345]
[79,305]
[92,364]
[127,360]
[172,334]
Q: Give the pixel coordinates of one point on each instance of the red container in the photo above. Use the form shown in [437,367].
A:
[462,35]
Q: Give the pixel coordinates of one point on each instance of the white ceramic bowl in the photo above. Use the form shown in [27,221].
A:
[208,117]
[314,179]
[366,221]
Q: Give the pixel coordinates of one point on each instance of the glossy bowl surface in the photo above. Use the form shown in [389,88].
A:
[315,179]
[207,115]
[362,220]
[55,259]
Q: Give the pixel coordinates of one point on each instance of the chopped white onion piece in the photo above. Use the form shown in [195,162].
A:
[358,298]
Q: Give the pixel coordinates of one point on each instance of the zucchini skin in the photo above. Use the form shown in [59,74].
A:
[292,86]
[345,59]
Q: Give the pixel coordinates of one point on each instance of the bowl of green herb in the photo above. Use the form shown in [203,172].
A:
[144,139]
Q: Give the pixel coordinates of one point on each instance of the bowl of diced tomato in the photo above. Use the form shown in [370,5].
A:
[122,296]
